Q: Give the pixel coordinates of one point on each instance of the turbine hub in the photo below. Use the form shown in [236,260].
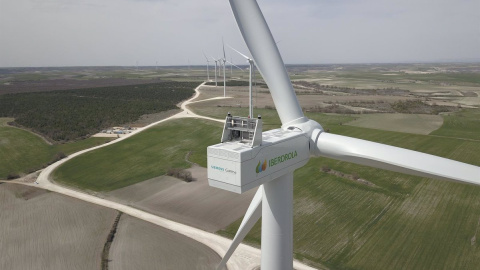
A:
[311,128]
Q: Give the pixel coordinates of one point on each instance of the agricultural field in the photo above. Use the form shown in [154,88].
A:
[387,220]
[40,79]
[194,203]
[142,245]
[346,216]
[464,124]
[407,123]
[48,231]
[144,156]
[70,115]
[23,152]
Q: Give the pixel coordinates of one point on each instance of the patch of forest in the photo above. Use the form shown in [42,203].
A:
[67,115]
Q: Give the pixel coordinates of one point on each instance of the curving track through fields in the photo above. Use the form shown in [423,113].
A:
[245,257]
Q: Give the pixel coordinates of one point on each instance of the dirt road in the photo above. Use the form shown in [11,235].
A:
[245,257]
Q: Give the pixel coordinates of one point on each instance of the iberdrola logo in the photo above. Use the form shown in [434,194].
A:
[261,167]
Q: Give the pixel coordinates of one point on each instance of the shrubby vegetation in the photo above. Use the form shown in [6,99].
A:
[66,115]
[180,174]
[387,91]
[379,106]
[419,107]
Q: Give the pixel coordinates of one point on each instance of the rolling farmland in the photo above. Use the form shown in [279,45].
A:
[390,221]
[394,222]
[346,216]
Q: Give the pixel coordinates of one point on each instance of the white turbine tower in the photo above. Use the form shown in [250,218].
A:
[216,84]
[208,62]
[224,60]
[251,63]
[239,162]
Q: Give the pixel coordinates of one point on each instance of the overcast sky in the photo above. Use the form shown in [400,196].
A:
[175,32]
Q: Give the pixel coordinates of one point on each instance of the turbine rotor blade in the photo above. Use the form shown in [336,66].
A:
[394,158]
[262,46]
[234,65]
[244,56]
[223,46]
[253,214]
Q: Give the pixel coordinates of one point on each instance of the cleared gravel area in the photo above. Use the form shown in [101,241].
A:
[142,245]
[47,231]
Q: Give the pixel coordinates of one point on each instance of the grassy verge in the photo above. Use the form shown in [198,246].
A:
[23,152]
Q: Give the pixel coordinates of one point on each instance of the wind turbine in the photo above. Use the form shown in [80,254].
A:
[239,163]
[251,63]
[233,65]
[208,61]
[224,59]
[216,84]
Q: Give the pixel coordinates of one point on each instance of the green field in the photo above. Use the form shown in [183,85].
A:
[464,124]
[398,222]
[402,222]
[407,123]
[141,157]
[395,221]
[22,152]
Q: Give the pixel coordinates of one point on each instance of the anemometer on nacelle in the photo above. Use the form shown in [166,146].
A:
[248,157]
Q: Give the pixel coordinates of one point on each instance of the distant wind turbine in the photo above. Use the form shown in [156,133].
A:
[216,84]
[251,63]
[224,60]
[208,61]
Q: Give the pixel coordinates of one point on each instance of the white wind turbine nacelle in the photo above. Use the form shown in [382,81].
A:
[289,148]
